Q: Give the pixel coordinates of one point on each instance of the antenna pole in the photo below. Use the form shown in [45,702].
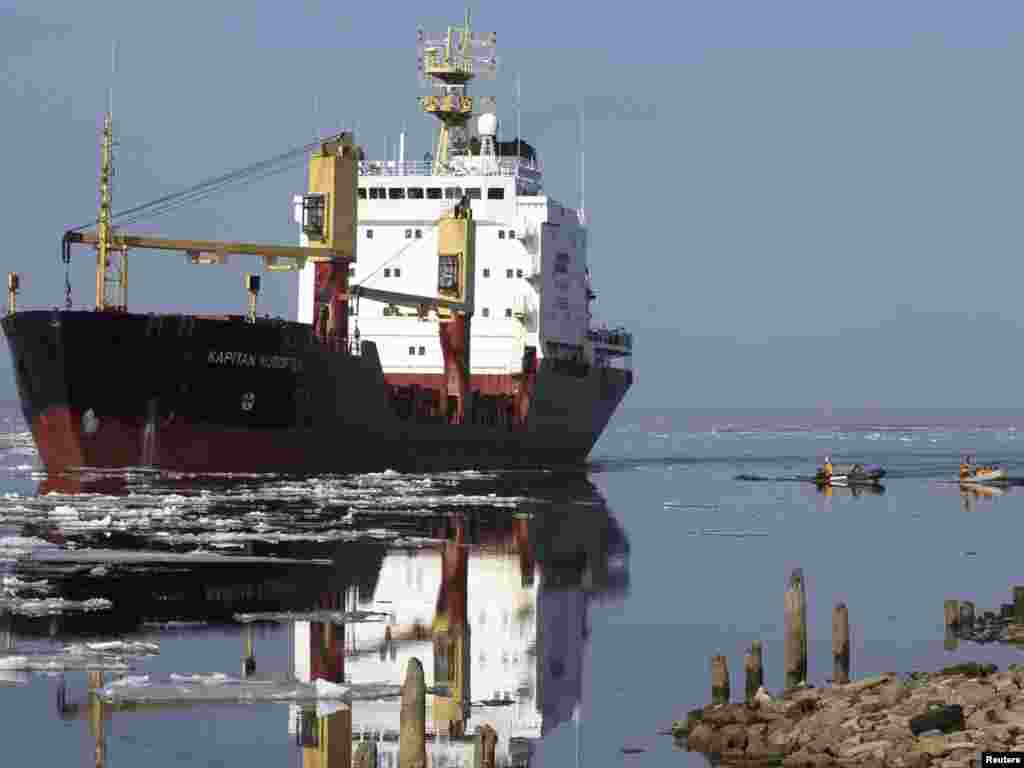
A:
[583,159]
[519,127]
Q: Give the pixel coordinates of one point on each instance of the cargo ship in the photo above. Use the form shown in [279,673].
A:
[462,251]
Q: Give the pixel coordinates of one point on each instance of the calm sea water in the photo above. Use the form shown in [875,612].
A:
[594,599]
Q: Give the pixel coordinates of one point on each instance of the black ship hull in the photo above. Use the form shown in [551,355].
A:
[220,394]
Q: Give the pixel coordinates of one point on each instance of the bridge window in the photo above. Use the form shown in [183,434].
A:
[511,234]
[508,313]
[473,193]
[563,302]
[419,234]
[496,193]
[377,193]
[408,234]
[487,272]
[509,273]
[519,273]
[369,234]
[433,193]
[452,193]
[387,273]
[412,350]
[415,193]
[422,351]
[561,269]
[398,272]
[362,193]
[396,193]
[501,234]
[487,312]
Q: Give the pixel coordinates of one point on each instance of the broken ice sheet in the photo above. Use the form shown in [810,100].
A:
[52,606]
[219,688]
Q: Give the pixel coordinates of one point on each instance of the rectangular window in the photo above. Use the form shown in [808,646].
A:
[501,234]
[377,193]
[369,234]
[487,312]
[423,351]
[509,273]
[433,193]
[511,234]
[487,272]
[447,273]
[563,302]
[414,193]
[398,272]
[561,269]
[562,257]
[387,273]
[412,350]
[473,193]
[496,193]
[508,313]
[452,193]
[408,234]
[419,234]
[396,193]
[519,273]
[362,193]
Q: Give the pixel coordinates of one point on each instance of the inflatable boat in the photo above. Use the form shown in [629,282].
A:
[971,473]
[849,474]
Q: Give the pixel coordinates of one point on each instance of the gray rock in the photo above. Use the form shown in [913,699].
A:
[877,748]
[893,693]
[734,737]
[976,694]
[702,739]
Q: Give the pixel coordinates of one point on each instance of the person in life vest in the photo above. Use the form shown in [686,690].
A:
[827,469]
[965,466]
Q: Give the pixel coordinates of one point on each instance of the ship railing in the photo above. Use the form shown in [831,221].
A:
[615,337]
[500,167]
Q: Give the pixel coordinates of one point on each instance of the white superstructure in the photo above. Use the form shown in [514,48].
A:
[532,282]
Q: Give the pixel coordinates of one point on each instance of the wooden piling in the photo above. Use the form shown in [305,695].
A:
[719,680]
[1018,603]
[249,659]
[951,609]
[366,755]
[483,749]
[753,662]
[412,735]
[795,648]
[840,645]
[950,641]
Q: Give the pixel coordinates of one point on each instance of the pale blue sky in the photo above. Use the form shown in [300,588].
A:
[792,203]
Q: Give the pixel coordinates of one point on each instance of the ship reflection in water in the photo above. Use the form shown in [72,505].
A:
[493,601]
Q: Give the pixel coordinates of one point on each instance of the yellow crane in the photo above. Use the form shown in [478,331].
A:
[329,221]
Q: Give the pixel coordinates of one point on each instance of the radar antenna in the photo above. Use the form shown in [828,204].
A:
[450,63]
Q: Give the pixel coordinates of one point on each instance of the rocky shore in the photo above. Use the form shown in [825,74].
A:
[939,719]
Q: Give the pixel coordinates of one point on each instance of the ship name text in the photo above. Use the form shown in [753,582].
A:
[252,360]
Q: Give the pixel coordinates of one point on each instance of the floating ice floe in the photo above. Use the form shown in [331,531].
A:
[223,689]
[110,656]
[52,606]
[327,617]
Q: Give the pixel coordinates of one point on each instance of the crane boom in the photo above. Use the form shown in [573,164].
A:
[297,254]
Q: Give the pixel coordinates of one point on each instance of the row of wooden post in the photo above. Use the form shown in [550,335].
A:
[795,648]
[412,735]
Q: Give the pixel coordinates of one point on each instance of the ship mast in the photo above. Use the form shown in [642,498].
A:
[450,65]
[105,247]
